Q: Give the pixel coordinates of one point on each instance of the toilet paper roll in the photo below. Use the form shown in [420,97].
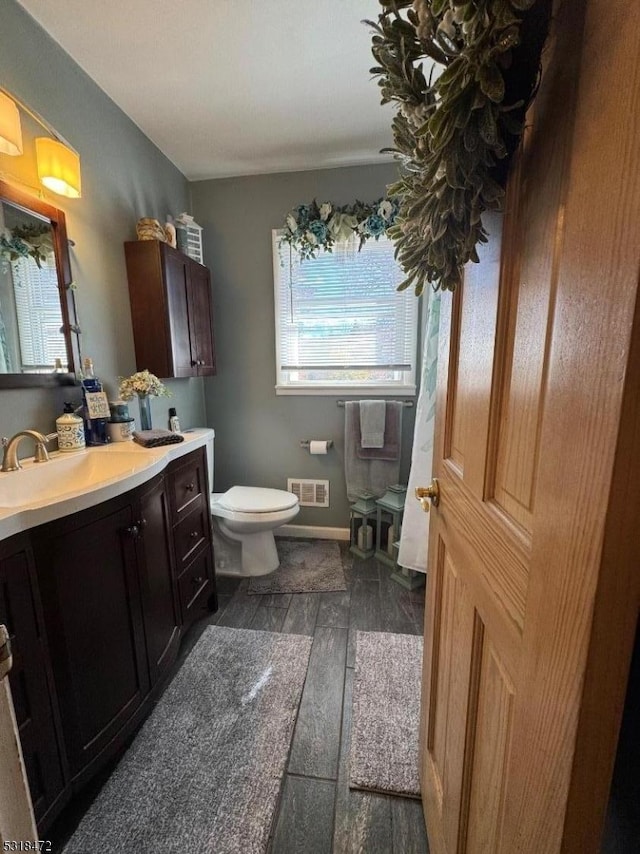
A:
[318,446]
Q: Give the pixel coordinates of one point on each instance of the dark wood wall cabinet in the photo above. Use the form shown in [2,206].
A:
[96,604]
[171,311]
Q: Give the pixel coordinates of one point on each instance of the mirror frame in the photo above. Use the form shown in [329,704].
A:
[30,204]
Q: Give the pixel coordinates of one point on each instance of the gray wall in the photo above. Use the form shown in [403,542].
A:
[258,433]
[124,177]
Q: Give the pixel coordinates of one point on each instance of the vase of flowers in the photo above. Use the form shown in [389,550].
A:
[144,385]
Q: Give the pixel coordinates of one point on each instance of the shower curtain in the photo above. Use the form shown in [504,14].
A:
[414,539]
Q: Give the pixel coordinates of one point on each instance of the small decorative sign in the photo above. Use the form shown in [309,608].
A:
[97,404]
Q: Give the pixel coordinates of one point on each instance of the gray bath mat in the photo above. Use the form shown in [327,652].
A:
[204,772]
[386,713]
[305,567]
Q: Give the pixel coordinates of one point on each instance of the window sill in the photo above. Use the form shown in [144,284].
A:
[368,391]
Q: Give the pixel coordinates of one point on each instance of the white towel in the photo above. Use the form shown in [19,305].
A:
[372,418]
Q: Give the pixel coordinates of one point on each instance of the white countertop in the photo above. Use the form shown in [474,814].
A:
[66,493]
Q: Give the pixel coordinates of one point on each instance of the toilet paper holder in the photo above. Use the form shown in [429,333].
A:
[306,443]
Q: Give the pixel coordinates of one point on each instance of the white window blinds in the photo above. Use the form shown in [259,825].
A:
[37,302]
[340,322]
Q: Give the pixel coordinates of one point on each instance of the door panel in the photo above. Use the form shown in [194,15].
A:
[157,580]
[492,722]
[203,351]
[176,279]
[533,589]
[88,577]
[29,677]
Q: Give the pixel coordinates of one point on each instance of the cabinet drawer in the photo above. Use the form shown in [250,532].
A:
[189,484]
[196,587]
[190,533]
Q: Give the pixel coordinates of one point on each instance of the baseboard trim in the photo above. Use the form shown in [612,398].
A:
[313,532]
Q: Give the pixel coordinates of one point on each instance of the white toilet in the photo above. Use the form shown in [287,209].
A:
[248,516]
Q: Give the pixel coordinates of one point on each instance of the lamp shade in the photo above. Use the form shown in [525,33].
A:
[10,130]
[58,167]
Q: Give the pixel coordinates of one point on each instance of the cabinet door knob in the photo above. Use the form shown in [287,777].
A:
[198,579]
[190,487]
[194,362]
[131,531]
[194,535]
[142,524]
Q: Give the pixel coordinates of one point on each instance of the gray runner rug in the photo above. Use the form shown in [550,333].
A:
[204,772]
[305,567]
[386,713]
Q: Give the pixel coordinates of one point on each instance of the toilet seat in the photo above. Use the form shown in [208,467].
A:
[256,499]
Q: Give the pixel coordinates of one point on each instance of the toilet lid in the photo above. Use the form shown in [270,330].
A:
[255,499]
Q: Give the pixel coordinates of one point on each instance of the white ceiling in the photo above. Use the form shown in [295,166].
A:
[233,87]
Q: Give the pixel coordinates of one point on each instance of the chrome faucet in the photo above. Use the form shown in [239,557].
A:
[10,461]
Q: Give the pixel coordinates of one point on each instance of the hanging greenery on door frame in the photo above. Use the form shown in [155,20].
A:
[453,132]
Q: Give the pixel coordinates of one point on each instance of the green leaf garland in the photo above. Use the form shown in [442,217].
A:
[308,229]
[450,132]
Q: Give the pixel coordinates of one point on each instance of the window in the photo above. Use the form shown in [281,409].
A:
[37,302]
[341,325]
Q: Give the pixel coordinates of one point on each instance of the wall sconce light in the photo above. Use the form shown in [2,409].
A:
[10,130]
[58,163]
[58,167]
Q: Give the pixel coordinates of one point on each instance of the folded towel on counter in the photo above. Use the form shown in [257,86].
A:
[364,475]
[392,436]
[372,416]
[156,438]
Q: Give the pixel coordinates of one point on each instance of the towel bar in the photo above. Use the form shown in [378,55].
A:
[403,402]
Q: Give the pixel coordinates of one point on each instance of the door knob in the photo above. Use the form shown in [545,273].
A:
[426,494]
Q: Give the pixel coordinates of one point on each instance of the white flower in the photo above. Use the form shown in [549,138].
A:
[142,382]
[292,223]
[310,238]
[325,211]
[385,209]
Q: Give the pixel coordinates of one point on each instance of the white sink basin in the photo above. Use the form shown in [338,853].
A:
[67,475]
[72,482]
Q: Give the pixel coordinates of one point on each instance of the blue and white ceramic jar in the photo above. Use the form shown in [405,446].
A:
[70,430]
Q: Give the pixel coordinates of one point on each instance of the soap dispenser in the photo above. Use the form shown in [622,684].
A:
[70,429]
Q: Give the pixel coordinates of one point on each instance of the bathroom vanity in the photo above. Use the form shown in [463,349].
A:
[96,601]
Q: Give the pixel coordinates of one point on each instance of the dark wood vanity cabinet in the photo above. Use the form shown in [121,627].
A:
[191,514]
[30,676]
[96,603]
[158,580]
[171,310]
[88,577]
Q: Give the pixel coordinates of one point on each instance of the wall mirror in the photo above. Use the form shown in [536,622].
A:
[38,338]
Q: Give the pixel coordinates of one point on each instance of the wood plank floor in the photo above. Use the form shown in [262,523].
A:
[318,813]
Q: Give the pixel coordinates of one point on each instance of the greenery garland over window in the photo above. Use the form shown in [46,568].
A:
[26,240]
[450,132]
[310,228]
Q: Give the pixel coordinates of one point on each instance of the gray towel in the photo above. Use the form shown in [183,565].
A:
[372,416]
[392,435]
[364,475]
[156,438]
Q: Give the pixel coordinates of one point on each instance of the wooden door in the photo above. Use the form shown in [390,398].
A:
[201,320]
[157,579]
[176,277]
[533,588]
[88,578]
[30,676]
